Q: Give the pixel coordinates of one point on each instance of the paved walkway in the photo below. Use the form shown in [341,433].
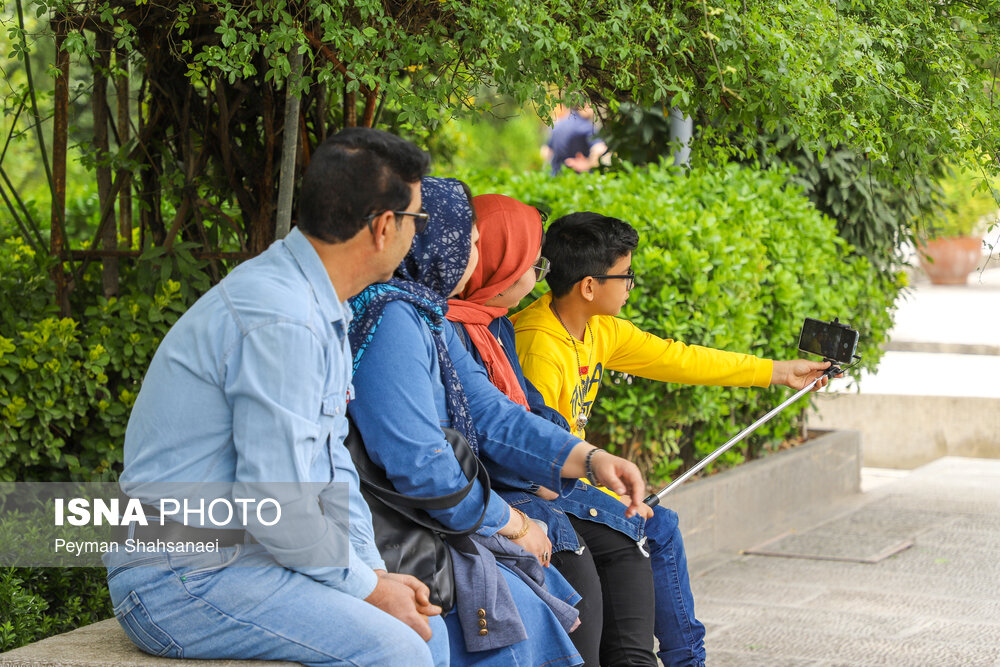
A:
[935,603]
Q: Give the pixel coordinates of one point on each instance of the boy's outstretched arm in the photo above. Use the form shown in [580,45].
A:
[797,373]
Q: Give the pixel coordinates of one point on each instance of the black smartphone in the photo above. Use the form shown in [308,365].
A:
[830,340]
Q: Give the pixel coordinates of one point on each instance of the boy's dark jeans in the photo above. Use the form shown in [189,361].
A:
[621,605]
[580,572]
[616,624]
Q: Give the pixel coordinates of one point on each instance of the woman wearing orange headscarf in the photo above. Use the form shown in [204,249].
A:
[594,544]
[505,274]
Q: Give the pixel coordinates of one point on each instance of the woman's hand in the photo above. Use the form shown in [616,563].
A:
[528,535]
[537,542]
[622,477]
[619,475]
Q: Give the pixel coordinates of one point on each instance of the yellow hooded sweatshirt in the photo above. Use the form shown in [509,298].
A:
[568,371]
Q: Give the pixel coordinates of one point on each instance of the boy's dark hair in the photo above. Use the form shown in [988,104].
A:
[584,244]
[353,174]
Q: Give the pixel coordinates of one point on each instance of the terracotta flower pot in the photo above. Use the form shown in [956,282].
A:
[953,259]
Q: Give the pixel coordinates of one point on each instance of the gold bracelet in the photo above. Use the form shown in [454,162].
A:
[525,525]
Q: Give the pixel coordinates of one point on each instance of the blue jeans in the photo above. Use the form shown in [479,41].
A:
[239,603]
[681,635]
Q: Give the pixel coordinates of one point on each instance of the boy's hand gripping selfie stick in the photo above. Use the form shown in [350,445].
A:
[835,341]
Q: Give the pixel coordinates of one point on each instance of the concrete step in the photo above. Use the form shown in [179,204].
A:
[929,374]
[907,431]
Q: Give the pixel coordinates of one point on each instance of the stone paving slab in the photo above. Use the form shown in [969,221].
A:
[936,604]
[831,546]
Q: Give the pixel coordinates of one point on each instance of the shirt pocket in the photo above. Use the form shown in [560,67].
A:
[334,404]
[332,429]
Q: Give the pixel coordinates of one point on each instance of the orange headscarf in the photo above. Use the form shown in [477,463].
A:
[510,234]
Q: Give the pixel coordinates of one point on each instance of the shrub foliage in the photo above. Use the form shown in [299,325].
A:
[66,388]
[68,384]
[42,601]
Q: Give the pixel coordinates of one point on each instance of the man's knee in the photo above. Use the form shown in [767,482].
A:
[408,649]
[438,644]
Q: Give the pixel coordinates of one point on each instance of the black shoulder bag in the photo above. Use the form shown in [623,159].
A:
[409,540]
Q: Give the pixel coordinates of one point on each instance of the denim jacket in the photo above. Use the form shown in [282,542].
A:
[577,497]
[399,376]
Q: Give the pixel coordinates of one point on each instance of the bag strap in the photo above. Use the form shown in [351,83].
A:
[471,469]
[463,335]
[375,481]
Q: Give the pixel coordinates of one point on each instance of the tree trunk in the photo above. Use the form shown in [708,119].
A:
[109,235]
[124,134]
[350,106]
[263,218]
[371,97]
[289,143]
[60,136]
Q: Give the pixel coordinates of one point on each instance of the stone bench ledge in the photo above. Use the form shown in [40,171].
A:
[105,644]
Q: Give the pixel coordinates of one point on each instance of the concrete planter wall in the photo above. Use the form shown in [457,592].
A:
[742,507]
[909,431]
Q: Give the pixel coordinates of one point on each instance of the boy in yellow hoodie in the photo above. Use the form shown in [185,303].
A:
[570,336]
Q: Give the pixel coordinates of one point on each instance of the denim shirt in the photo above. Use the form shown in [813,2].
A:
[251,385]
[576,498]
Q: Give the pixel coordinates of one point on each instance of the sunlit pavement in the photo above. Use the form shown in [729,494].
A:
[935,603]
[906,573]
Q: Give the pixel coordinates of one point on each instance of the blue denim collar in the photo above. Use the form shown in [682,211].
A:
[333,309]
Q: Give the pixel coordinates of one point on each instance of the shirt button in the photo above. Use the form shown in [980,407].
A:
[482,622]
[593,511]
[482,613]
[483,633]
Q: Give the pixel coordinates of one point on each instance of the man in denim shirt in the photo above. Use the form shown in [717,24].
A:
[250,388]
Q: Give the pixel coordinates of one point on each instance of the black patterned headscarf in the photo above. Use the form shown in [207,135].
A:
[425,278]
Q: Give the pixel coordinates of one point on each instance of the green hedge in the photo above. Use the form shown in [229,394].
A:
[68,384]
[37,602]
[66,388]
[730,258]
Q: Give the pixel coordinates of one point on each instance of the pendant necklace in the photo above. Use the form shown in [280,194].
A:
[584,371]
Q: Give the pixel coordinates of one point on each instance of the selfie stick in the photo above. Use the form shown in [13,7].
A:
[654,499]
